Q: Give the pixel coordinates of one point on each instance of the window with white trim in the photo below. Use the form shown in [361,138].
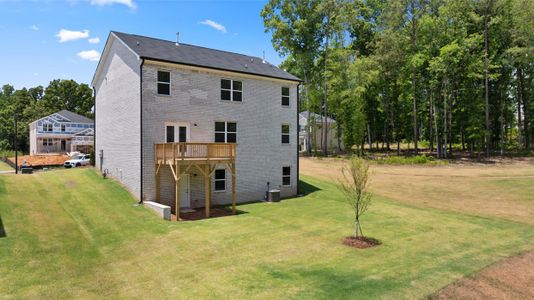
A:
[220,180]
[231,90]
[286,176]
[63,128]
[48,142]
[285,96]
[48,127]
[285,134]
[225,132]
[164,83]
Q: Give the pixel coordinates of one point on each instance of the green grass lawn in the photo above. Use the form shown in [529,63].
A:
[5,167]
[71,234]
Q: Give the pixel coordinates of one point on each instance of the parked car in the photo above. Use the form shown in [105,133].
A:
[78,161]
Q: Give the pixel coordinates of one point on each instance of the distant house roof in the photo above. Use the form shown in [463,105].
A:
[168,51]
[67,116]
[74,118]
[317,117]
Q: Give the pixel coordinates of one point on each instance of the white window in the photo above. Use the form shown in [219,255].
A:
[63,128]
[220,180]
[231,90]
[47,127]
[285,134]
[285,96]
[225,132]
[286,176]
[164,83]
[48,142]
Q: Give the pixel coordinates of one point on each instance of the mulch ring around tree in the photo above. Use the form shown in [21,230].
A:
[360,242]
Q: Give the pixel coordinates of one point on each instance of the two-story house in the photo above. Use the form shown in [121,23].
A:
[188,126]
[61,132]
[315,126]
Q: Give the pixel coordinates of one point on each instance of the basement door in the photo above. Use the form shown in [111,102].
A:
[185,195]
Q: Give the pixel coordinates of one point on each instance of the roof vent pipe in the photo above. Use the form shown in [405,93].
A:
[177,39]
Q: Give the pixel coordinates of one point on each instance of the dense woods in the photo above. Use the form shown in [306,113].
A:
[443,75]
[34,103]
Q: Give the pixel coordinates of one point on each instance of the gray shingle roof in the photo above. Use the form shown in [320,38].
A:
[317,117]
[75,118]
[157,49]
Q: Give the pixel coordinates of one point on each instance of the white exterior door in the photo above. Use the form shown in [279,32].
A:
[176,132]
[185,196]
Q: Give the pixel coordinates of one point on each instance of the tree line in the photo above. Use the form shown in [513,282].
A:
[30,104]
[454,74]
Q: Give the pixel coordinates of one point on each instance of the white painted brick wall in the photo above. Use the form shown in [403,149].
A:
[195,98]
[118,117]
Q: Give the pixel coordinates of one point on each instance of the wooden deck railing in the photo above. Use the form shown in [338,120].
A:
[194,151]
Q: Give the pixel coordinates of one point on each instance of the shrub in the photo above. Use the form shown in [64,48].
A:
[8,153]
[92,158]
[411,160]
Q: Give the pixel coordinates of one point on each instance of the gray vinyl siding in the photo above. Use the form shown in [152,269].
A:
[118,117]
[195,98]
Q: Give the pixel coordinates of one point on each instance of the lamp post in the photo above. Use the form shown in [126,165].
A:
[16,146]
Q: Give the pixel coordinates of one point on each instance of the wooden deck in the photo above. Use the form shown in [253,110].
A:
[180,152]
[181,157]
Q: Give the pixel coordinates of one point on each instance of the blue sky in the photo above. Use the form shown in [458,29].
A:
[44,40]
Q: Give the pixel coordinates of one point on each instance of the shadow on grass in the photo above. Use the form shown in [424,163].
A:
[335,282]
[2,230]
[306,188]
[215,212]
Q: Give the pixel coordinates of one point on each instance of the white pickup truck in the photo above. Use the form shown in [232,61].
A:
[78,161]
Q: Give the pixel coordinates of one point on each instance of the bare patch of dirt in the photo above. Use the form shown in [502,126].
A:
[41,160]
[360,242]
[512,278]
[200,214]
[70,184]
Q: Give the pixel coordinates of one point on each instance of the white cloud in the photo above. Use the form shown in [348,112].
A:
[34,27]
[91,55]
[65,35]
[94,40]
[129,3]
[214,25]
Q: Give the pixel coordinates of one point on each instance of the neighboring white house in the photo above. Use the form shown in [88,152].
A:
[316,133]
[175,121]
[61,132]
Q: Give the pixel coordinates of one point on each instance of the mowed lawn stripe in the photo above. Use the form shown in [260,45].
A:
[71,233]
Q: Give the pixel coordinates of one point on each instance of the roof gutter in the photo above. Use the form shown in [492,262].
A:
[141,126]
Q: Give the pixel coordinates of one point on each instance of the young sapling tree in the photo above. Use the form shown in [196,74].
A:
[354,185]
